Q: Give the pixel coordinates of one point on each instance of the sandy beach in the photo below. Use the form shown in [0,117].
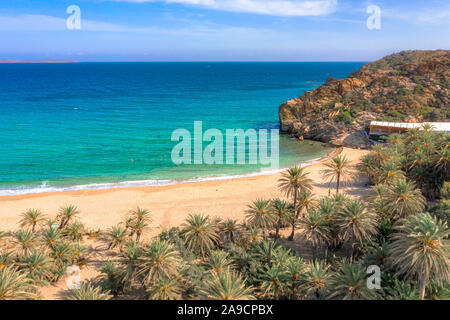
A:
[169,205]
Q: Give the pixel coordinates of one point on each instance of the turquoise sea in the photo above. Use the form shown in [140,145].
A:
[99,125]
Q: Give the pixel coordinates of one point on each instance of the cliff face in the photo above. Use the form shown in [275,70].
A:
[410,86]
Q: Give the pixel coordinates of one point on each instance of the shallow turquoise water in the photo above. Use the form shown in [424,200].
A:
[82,125]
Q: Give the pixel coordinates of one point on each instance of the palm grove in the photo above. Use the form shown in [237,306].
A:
[402,227]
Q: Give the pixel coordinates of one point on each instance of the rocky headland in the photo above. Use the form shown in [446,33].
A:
[410,86]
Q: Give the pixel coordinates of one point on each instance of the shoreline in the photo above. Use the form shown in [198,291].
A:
[151,183]
[169,204]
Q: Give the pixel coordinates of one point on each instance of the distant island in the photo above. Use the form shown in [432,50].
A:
[36,61]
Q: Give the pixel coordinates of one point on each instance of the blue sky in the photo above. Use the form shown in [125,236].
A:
[220,30]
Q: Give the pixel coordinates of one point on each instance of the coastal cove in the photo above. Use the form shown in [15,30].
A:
[224,158]
[107,203]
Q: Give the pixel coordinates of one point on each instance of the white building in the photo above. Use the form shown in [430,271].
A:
[387,128]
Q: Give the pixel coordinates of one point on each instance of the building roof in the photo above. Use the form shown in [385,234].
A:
[436,126]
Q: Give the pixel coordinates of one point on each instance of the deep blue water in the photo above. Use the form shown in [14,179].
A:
[90,123]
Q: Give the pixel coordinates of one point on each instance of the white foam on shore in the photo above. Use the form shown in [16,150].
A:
[140,183]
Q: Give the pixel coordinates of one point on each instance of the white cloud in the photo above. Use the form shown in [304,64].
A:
[31,22]
[267,7]
[431,15]
[435,17]
[35,22]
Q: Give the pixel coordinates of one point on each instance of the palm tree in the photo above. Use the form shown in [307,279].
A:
[138,221]
[418,158]
[370,167]
[337,170]
[403,199]
[395,139]
[88,292]
[164,289]
[263,250]
[227,285]
[37,265]
[14,285]
[295,267]
[420,248]
[141,214]
[443,162]
[427,127]
[137,228]
[259,215]
[377,201]
[200,234]
[32,218]
[243,259]
[304,202]
[6,259]
[438,291]
[273,281]
[218,261]
[66,214]
[356,224]
[339,200]
[75,231]
[390,172]
[281,255]
[280,211]
[254,234]
[158,260]
[378,254]
[117,236]
[230,228]
[315,280]
[63,253]
[131,258]
[349,283]
[294,181]
[328,208]
[380,154]
[51,236]
[78,253]
[315,229]
[401,290]
[26,239]
[113,278]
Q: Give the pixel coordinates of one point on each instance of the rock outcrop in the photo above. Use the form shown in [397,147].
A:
[407,86]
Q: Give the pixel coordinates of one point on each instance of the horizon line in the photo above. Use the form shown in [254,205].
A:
[63,61]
